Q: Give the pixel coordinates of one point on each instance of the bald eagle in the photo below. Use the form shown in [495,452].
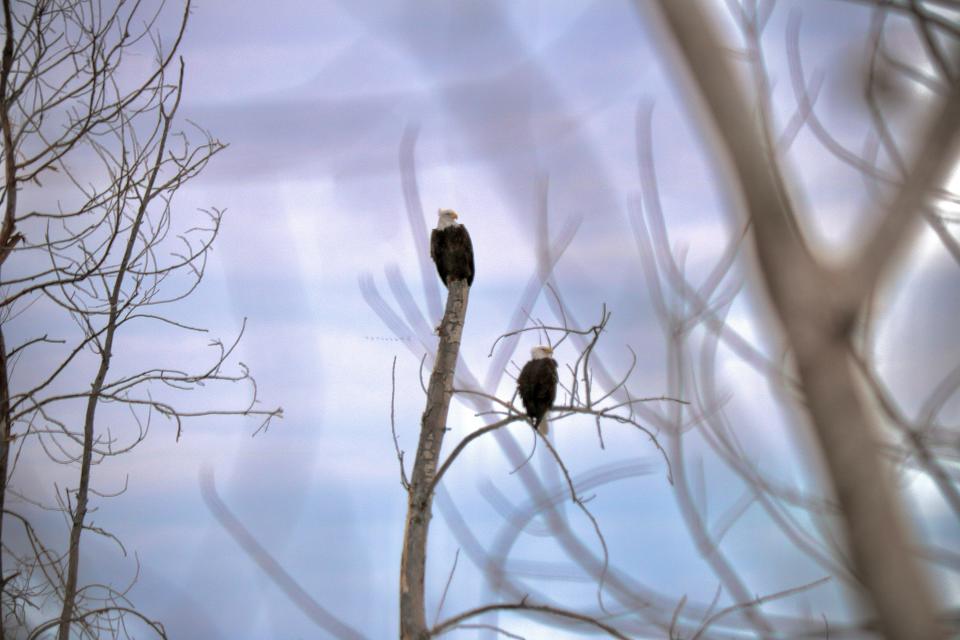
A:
[451,249]
[537,385]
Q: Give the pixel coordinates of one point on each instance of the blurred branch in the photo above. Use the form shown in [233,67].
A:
[756,602]
[818,325]
[414,208]
[277,574]
[913,435]
[934,160]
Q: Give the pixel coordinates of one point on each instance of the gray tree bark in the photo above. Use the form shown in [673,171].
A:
[433,424]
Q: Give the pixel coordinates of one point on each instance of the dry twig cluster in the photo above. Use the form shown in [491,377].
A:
[78,274]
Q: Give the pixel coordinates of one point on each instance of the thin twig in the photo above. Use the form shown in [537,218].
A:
[393,425]
[446,587]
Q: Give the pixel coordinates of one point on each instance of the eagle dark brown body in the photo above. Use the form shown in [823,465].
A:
[452,251]
[537,385]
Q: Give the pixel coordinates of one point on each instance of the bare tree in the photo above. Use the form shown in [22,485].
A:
[582,398]
[91,245]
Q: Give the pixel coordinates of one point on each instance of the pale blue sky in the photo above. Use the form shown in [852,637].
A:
[314,99]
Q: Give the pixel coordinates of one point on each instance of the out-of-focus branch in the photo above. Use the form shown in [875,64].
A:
[870,171]
[268,564]
[697,308]
[914,435]
[817,312]
[756,602]
[934,159]
[414,207]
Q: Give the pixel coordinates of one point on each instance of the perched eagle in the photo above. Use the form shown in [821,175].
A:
[537,385]
[451,249]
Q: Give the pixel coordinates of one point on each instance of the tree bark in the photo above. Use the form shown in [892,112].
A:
[433,424]
[5,441]
[8,233]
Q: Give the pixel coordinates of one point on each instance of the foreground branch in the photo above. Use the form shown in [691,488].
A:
[269,565]
[817,310]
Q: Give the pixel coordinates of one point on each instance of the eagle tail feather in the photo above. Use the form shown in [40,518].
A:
[543,426]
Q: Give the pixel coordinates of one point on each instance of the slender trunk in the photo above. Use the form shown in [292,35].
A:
[89,419]
[83,491]
[413,624]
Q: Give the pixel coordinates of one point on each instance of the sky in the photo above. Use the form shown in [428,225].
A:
[523,118]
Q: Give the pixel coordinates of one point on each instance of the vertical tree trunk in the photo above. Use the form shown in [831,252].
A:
[83,491]
[8,233]
[8,238]
[413,623]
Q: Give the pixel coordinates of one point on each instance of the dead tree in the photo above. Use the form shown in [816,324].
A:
[591,393]
[433,426]
[427,472]
[92,247]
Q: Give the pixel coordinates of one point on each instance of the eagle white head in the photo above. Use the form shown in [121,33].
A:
[447,218]
[539,352]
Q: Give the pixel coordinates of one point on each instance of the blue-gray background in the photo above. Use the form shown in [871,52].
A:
[314,99]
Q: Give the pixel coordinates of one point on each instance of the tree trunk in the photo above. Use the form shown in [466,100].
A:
[5,432]
[413,623]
